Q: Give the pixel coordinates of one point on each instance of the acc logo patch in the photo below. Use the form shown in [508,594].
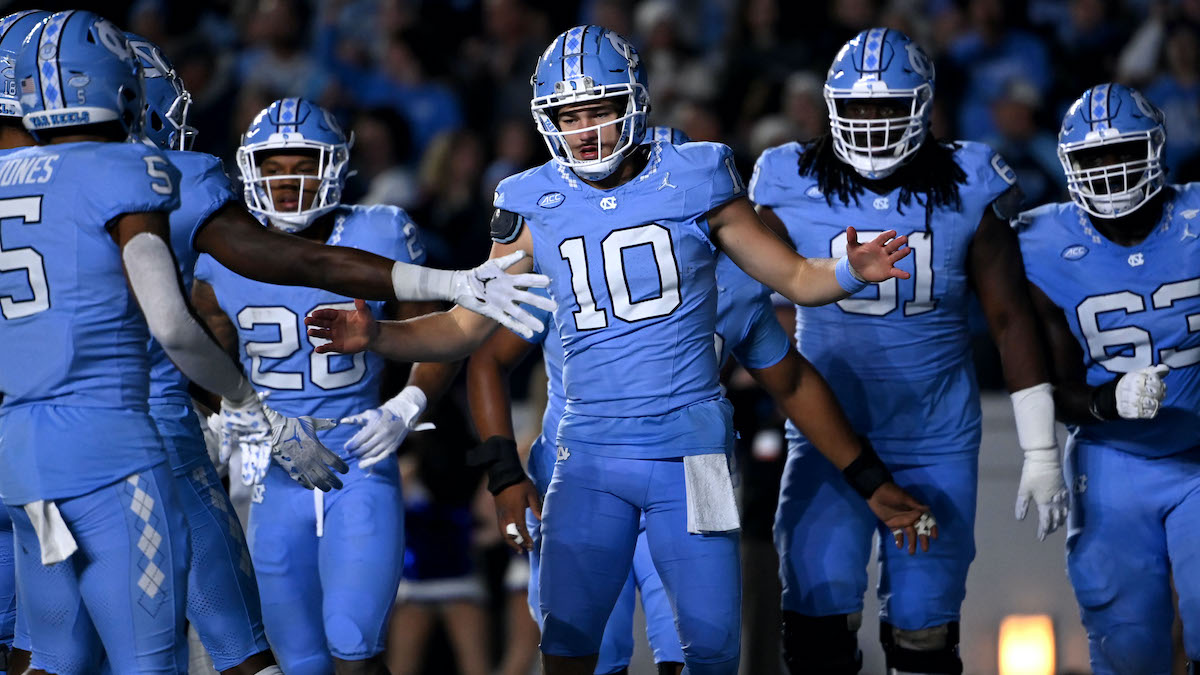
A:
[551,200]
[1074,252]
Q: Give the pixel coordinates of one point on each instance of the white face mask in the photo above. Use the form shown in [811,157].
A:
[875,148]
[632,121]
[258,189]
[1117,189]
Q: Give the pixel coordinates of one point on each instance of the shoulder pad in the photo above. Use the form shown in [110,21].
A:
[506,226]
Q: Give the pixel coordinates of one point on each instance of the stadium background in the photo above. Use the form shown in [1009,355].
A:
[437,94]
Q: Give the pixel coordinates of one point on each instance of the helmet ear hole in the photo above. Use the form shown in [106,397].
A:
[156,122]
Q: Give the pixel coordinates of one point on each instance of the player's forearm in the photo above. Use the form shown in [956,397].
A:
[815,283]
[1072,403]
[433,378]
[810,404]
[445,336]
[152,275]
[488,396]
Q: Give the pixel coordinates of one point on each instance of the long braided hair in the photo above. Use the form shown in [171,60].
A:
[932,173]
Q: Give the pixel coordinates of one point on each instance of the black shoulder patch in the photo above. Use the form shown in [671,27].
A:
[506,226]
[1008,204]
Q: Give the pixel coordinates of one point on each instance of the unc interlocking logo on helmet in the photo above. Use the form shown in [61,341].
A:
[1118,117]
[589,63]
[879,63]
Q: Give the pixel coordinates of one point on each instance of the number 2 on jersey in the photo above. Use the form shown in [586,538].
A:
[887,300]
[29,211]
[289,343]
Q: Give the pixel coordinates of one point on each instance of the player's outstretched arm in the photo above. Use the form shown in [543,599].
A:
[239,242]
[805,397]
[1135,395]
[153,276]
[491,410]
[445,336]
[737,229]
[998,276]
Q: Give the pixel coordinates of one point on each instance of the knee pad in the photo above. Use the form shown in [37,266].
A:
[821,645]
[346,639]
[927,650]
[1130,648]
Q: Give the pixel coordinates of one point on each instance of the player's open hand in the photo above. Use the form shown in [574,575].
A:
[347,332]
[511,503]
[876,260]
[498,295]
[906,517]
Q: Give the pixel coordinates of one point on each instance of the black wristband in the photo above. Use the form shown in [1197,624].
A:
[866,473]
[499,455]
[1103,405]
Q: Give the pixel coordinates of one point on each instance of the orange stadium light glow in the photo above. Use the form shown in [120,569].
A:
[1027,645]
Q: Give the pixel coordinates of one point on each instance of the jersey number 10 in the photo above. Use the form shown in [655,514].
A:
[613,247]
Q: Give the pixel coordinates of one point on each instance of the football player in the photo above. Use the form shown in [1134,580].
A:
[1116,281]
[346,550]
[629,234]
[878,164]
[84,219]
[746,329]
[14,646]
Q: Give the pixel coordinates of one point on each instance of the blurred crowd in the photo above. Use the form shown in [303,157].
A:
[437,95]
[437,91]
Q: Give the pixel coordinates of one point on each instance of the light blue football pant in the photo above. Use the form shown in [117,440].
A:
[824,532]
[331,594]
[1134,524]
[121,594]
[616,647]
[222,596]
[591,520]
[8,581]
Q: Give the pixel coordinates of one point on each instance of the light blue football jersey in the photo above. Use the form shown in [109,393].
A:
[633,272]
[273,343]
[746,329]
[1129,307]
[896,354]
[74,367]
[204,190]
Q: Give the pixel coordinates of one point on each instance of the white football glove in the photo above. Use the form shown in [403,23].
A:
[384,428]
[245,425]
[210,429]
[492,292]
[1042,483]
[295,446]
[1139,393]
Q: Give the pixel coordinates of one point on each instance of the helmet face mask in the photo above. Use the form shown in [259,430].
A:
[167,100]
[883,66]
[587,64]
[1111,148]
[293,132]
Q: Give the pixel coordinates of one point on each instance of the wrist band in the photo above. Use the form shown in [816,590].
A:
[866,473]
[1103,405]
[499,455]
[846,277]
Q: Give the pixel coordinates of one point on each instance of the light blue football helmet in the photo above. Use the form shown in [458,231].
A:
[1110,114]
[164,119]
[13,29]
[666,135]
[587,63]
[879,63]
[294,124]
[75,68]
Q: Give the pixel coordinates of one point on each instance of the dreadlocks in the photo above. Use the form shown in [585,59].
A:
[932,173]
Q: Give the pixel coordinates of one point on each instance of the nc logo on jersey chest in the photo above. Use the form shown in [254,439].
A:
[1136,260]
[1074,252]
[608,203]
[881,203]
[551,200]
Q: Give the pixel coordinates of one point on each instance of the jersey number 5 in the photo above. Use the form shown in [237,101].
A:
[613,247]
[29,211]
